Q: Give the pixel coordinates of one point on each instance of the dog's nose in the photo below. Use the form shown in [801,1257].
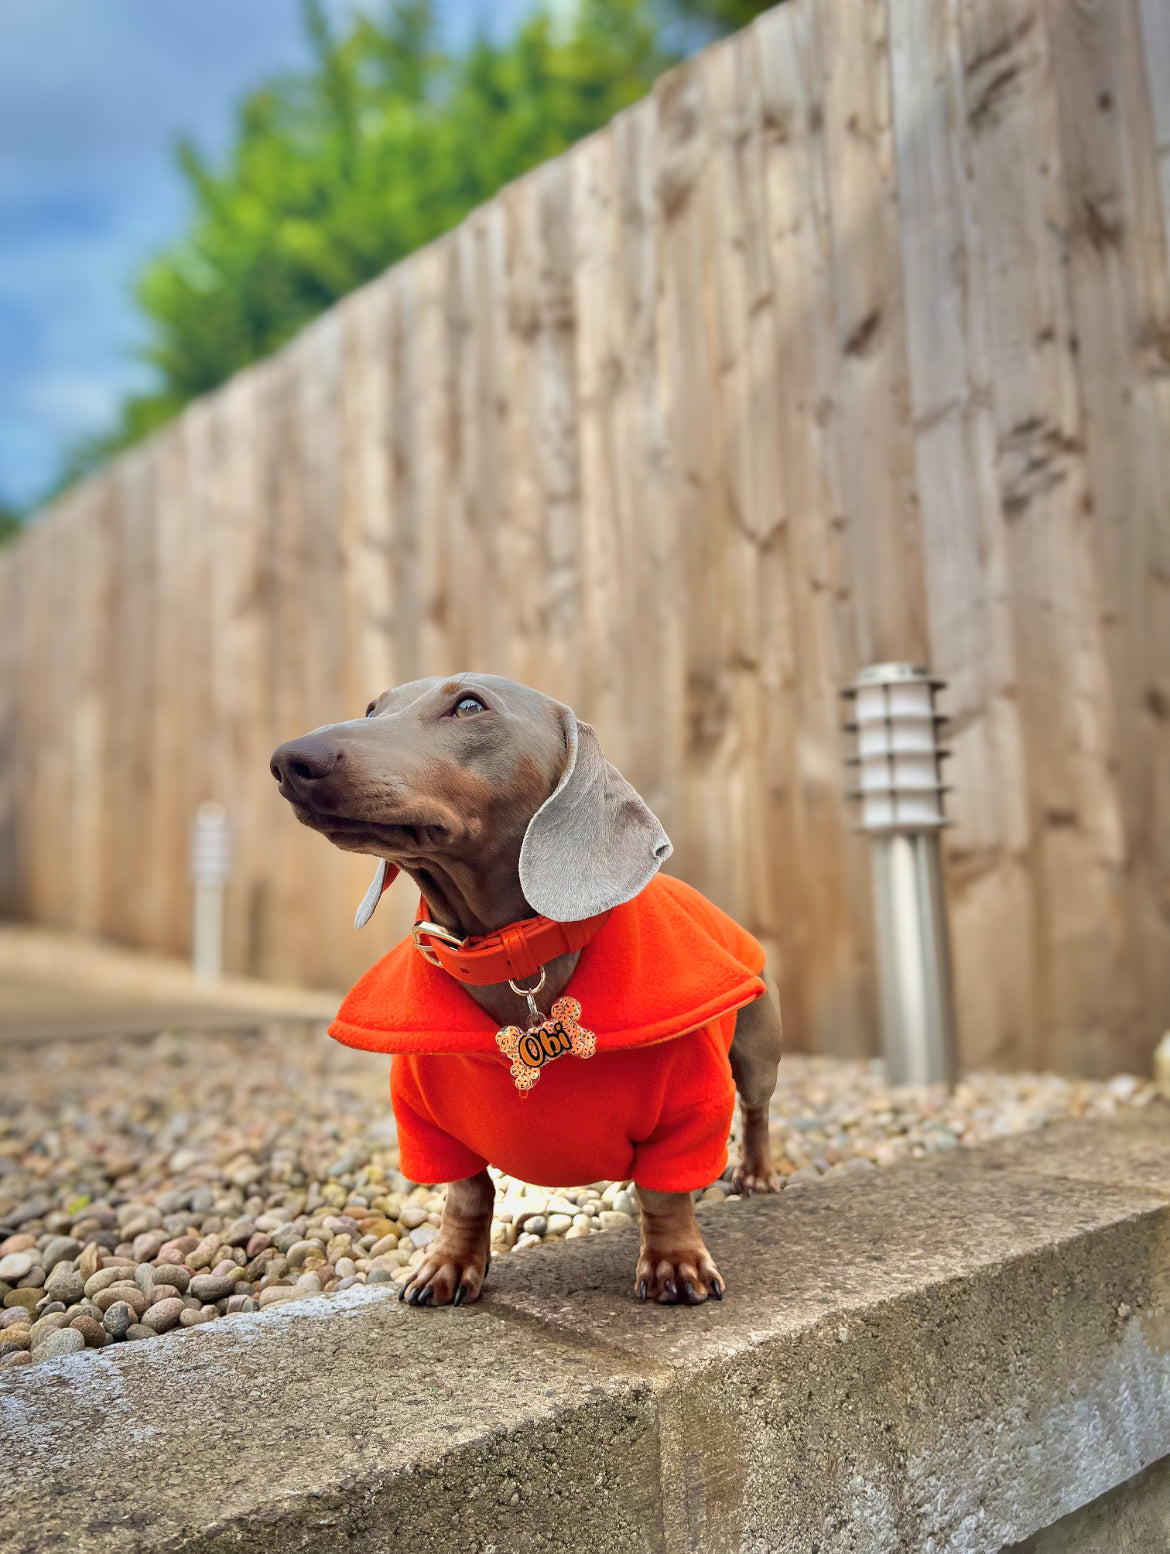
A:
[307,760]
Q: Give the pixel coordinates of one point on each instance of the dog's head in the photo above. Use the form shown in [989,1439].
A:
[477,768]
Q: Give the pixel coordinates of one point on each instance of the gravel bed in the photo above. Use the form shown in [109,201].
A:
[149,1186]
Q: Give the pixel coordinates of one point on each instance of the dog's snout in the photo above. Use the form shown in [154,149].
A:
[306,760]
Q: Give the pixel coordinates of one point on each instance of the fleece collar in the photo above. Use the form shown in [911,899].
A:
[665,963]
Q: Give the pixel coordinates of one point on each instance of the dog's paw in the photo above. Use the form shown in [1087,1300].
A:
[682,1279]
[756,1177]
[446,1277]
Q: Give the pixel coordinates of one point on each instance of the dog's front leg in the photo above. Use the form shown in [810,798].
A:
[455,1264]
[674,1267]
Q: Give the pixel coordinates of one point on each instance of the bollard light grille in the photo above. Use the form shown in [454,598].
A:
[210,863]
[898,753]
[210,856]
[900,792]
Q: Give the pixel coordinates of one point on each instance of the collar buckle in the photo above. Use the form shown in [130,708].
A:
[434,931]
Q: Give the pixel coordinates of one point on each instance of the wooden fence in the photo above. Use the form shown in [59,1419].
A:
[852,343]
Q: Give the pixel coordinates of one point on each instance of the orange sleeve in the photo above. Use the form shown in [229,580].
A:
[426,1153]
[688,1146]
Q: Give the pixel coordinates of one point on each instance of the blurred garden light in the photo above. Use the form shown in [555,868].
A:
[900,793]
[210,863]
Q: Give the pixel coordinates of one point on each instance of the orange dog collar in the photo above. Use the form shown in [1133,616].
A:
[510,954]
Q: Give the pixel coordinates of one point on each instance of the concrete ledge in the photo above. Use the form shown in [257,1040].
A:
[936,1357]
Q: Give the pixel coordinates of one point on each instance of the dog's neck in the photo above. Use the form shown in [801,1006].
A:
[471,900]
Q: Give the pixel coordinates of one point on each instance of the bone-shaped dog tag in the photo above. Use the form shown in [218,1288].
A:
[530,1050]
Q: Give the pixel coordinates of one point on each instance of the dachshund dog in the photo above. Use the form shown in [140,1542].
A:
[501,807]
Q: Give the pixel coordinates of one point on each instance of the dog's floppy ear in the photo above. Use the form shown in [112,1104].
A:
[594,842]
[384,876]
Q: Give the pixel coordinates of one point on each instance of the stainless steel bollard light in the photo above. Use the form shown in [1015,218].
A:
[901,809]
[210,866]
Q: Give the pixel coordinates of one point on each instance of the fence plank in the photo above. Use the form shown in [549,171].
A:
[1121,310]
[1065,702]
[11,665]
[972,646]
[1155,23]
[871,399]
[811,648]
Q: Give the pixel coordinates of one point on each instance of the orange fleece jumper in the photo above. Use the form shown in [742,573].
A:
[660,985]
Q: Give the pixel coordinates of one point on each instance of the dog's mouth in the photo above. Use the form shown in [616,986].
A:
[360,833]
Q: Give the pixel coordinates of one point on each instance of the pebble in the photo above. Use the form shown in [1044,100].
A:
[211,1287]
[299,1250]
[91,1329]
[113,1293]
[45,1325]
[102,1279]
[137,1330]
[148,1245]
[15,1266]
[423,1236]
[58,1250]
[66,1340]
[31,1208]
[204,1254]
[118,1318]
[65,1284]
[164,1315]
[27,1298]
[275,1294]
[559,1223]
[615,1219]
[535,1226]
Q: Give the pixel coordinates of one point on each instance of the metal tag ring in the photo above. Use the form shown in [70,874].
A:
[526,992]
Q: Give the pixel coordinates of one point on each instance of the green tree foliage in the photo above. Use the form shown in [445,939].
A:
[384,144]
[716,17]
[10,524]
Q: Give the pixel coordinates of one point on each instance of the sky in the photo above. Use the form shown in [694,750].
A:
[93,94]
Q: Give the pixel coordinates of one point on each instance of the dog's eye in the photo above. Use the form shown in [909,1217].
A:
[468,707]
[370,709]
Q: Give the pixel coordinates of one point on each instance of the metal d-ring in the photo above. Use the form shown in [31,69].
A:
[534,1015]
